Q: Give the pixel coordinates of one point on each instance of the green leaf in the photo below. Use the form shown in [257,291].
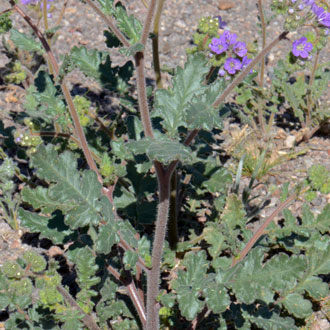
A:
[128,233]
[288,270]
[52,228]
[213,235]
[131,51]
[163,150]
[106,239]
[218,182]
[295,97]
[88,61]
[82,191]
[106,6]
[297,305]
[130,259]
[200,114]
[323,220]
[315,287]
[320,178]
[5,22]
[86,267]
[234,213]
[318,261]
[170,105]
[128,24]
[25,42]
[39,199]
[244,284]
[190,282]
[217,298]
[44,99]
[275,322]
[97,65]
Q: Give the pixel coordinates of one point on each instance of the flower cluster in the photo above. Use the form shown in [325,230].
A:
[298,12]
[323,17]
[227,43]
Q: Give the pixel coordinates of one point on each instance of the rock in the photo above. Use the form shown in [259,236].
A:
[225,5]
[290,141]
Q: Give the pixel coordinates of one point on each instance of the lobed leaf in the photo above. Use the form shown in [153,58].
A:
[52,228]
[190,282]
[200,114]
[24,42]
[170,105]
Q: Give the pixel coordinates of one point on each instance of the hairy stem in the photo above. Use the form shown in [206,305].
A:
[262,228]
[309,97]
[45,18]
[163,177]
[173,237]
[263,29]
[142,94]
[147,22]
[155,43]
[262,68]
[172,223]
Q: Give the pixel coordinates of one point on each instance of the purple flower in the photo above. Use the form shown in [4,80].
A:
[301,47]
[317,10]
[245,62]
[322,15]
[301,7]
[222,23]
[293,1]
[290,10]
[221,72]
[308,2]
[217,46]
[240,48]
[232,65]
[29,2]
[228,38]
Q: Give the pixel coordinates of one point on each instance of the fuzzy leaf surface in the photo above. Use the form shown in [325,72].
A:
[200,114]
[69,186]
[190,282]
[25,42]
[97,65]
[297,305]
[51,228]
[171,104]
[164,150]
[44,99]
